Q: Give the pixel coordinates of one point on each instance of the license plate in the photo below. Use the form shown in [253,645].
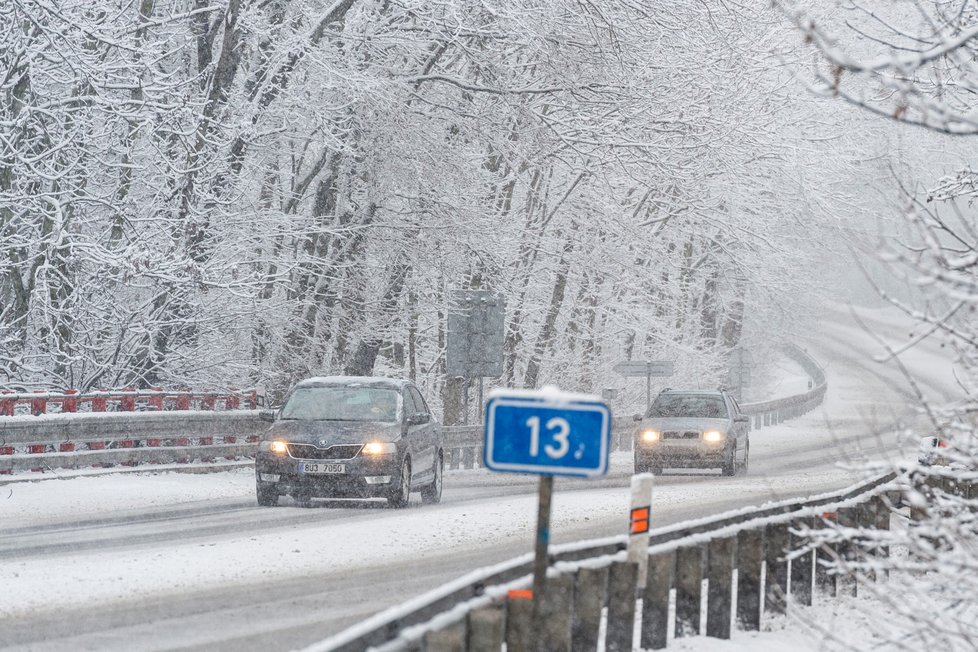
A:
[321,468]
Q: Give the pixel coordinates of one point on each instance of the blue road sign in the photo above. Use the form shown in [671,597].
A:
[537,435]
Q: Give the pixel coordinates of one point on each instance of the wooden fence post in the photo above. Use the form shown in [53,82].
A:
[719,595]
[486,629]
[622,584]
[655,603]
[776,585]
[450,639]
[589,597]
[519,619]
[689,587]
[801,566]
[555,614]
[750,560]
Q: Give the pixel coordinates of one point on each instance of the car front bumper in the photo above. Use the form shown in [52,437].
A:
[364,477]
[691,454]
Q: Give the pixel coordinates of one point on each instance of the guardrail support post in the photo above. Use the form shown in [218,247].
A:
[519,619]
[826,582]
[776,585]
[848,518]
[750,560]
[719,595]
[590,587]
[486,630]
[655,603]
[689,587]
[450,639]
[622,584]
[555,614]
[468,457]
[801,566]
[881,521]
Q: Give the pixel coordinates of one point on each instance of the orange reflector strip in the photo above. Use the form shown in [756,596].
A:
[829,516]
[640,520]
[520,594]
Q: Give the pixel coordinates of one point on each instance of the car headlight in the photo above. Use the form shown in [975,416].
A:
[379,448]
[713,436]
[277,446]
[650,436]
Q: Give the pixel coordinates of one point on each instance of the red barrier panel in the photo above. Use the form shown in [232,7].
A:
[230,439]
[153,443]
[70,404]
[39,405]
[37,449]
[7,406]
[208,402]
[6,450]
[96,445]
[127,443]
[99,403]
[183,441]
[66,447]
[183,401]
[206,441]
[127,403]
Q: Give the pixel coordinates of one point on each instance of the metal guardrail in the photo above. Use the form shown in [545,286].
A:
[134,438]
[452,606]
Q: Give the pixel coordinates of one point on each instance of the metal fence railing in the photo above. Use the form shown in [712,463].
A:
[592,581]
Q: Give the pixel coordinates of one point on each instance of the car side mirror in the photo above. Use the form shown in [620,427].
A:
[636,417]
[267,415]
[417,419]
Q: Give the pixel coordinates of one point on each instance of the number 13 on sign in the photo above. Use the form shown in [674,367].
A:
[530,435]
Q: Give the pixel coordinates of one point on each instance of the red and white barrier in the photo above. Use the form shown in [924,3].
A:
[125,400]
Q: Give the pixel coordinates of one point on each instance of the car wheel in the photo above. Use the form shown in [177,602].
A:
[743,468]
[431,494]
[401,494]
[730,463]
[267,496]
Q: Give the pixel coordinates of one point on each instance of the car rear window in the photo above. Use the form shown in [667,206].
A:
[688,405]
[341,404]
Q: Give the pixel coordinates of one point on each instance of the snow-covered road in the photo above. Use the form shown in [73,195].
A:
[174,561]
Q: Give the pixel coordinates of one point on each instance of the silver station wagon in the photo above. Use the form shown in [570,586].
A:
[692,429]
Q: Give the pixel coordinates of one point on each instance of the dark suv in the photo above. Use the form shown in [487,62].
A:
[350,437]
[693,429]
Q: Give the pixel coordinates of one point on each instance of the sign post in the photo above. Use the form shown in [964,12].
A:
[640,516]
[647,368]
[546,432]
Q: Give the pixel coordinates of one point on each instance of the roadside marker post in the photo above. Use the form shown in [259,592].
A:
[546,432]
[638,529]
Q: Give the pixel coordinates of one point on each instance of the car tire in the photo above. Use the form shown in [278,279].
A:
[401,494]
[743,467]
[730,463]
[431,494]
[267,496]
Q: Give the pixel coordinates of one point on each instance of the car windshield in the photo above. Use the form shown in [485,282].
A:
[688,405]
[341,404]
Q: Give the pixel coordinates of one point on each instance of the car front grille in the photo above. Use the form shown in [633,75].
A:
[337,452]
[677,434]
